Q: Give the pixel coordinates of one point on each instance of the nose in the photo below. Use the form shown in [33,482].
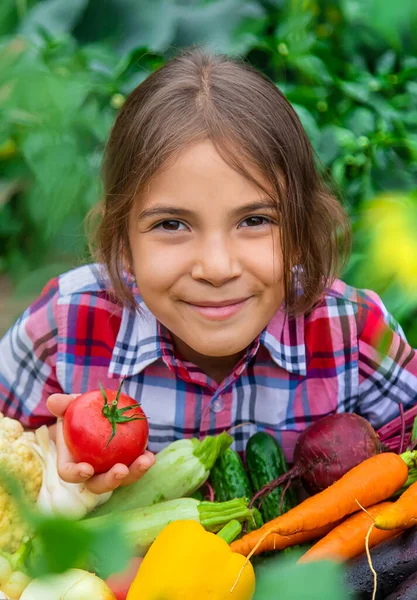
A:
[216,262]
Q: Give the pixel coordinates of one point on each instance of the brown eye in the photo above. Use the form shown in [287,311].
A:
[171,225]
[255,222]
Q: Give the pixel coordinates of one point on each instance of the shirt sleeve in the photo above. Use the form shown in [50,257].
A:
[28,355]
[387,363]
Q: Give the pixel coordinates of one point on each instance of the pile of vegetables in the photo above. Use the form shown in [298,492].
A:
[204,505]
[143,510]
[363,510]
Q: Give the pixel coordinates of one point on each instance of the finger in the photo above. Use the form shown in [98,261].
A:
[139,467]
[57,404]
[68,469]
[106,482]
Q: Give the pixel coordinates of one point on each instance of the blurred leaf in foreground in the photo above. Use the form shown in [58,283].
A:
[283,579]
[61,544]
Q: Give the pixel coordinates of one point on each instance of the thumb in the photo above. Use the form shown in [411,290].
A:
[57,404]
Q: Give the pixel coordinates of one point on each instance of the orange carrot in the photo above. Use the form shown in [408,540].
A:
[276,541]
[348,539]
[402,513]
[375,479]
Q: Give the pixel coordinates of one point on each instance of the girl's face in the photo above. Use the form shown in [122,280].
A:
[207,254]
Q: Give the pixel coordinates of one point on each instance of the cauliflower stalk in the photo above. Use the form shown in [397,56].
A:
[18,458]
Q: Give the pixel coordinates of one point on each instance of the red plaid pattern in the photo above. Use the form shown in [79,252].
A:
[297,370]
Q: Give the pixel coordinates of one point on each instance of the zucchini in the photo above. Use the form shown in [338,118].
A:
[141,526]
[265,462]
[229,478]
[180,469]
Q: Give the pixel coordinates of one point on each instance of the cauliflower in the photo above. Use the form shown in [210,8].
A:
[19,459]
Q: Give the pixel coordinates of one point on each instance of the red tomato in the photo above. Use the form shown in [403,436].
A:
[98,430]
[119,583]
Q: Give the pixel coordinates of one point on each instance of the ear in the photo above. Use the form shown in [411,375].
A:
[127,261]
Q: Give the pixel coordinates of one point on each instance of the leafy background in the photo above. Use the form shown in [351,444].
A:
[348,66]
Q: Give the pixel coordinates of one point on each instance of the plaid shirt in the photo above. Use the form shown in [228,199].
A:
[298,370]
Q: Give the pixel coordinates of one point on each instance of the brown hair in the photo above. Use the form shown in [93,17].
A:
[197,96]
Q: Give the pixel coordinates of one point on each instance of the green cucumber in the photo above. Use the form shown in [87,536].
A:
[265,462]
[229,478]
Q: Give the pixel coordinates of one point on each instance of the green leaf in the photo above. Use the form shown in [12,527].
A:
[386,63]
[314,67]
[338,171]
[282,579]
[412,87]
[127,24]
[8,16]
[8,189]
[108,551]
[295,30]
[55,16]
[228,26]
[60,545]
[309,123]
[143,23]
[385,109]
[392,19]
[361,121]
[61,176]
[48,98]
[356,91]
[334,142]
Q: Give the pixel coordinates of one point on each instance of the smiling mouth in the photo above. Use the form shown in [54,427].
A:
[208,304]
[219,310]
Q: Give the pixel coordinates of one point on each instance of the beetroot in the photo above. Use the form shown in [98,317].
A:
[332,446]
[326,450]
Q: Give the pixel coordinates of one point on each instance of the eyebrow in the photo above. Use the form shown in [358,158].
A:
[160,210]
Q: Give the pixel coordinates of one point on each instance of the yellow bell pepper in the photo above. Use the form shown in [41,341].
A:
[186,562]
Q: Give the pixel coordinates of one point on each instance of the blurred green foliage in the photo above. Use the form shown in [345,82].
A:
[349,67]
[281,578]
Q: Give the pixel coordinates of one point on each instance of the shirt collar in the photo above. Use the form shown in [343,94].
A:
[139,343]
[284,339]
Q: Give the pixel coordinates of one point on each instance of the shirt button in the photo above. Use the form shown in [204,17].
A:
[218,405]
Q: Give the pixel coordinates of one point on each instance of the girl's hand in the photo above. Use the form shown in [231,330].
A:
[73,472]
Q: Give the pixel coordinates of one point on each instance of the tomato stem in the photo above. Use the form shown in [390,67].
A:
[116,415]
[113,409]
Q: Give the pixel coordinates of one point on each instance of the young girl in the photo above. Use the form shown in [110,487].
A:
[214,294]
